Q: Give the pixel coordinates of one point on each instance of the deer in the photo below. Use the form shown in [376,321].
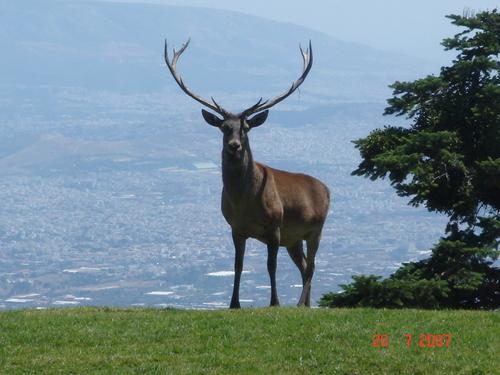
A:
[275,207]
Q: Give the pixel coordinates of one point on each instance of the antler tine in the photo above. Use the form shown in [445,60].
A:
[306,54]
[307,57]
[252,109]
[218,106]
[172,66]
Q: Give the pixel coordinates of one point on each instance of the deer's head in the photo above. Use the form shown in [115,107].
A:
[236,126]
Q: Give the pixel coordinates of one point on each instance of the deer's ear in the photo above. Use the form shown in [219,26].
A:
[258,119]
[211,119]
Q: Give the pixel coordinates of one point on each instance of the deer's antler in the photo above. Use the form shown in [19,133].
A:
[307,56]
[172,66]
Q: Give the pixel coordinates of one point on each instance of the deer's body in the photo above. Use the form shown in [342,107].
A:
[270,198]
[275,207]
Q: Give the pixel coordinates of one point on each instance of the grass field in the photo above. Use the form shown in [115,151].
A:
[264,341]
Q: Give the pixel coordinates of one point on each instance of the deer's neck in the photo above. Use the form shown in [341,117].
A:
[239,176]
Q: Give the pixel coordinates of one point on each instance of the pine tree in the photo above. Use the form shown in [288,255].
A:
[448,160]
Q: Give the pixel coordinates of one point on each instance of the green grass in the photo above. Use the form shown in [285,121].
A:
[266,341]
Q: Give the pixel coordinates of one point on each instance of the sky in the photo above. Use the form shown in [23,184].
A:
[414,28]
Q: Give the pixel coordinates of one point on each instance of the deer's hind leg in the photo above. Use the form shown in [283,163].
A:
[312,247]
[296,252]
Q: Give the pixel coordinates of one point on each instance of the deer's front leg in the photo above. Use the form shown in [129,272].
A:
[273,244]
[239,247]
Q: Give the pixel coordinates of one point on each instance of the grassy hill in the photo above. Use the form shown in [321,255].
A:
[292,341]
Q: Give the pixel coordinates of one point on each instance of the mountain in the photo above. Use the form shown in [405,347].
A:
[119,46]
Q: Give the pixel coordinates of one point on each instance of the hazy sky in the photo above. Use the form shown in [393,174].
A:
[412,27]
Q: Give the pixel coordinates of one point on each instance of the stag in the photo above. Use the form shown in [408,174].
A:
[275,207]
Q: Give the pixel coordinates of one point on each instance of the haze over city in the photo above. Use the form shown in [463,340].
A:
[111,180]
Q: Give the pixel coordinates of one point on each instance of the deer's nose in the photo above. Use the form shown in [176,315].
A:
[234,146]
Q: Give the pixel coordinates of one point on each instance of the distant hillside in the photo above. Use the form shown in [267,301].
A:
[115,46]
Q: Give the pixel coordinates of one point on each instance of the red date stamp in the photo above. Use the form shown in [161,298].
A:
[425,340]
[380,340]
